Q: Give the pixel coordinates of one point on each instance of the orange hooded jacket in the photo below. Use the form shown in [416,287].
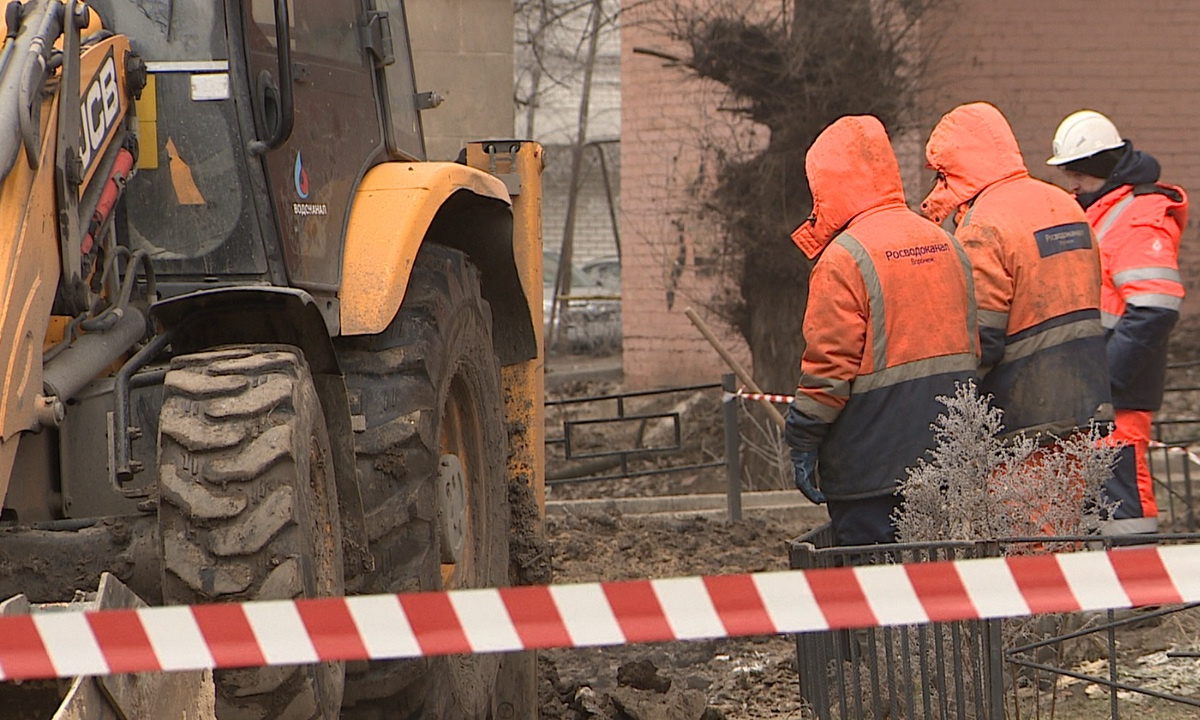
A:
[1037,275]
[890,322]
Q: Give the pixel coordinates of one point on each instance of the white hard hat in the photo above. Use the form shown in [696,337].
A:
[1083,134]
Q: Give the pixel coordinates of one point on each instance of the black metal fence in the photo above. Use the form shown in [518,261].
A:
[1176,429]
[968,670]
[937,671]
[1110,626]
[593,448]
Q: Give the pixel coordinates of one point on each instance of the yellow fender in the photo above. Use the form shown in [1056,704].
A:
[393,208]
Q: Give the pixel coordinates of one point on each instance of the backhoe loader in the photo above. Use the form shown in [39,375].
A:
[253,344]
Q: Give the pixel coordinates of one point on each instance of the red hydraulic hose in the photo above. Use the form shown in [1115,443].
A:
[113,187]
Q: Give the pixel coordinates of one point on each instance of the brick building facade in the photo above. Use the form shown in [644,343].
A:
[1037,60]
[667,119]
[595,235]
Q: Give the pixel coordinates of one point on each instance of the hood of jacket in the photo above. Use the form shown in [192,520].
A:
[851,169]
[970,148]
[1134,168]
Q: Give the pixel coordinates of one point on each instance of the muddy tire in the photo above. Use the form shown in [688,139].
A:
[432,462]
[248,508]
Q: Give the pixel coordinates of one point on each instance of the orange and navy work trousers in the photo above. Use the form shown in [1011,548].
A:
[1131,485]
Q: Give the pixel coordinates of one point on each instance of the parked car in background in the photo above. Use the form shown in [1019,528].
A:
[606,271]
[588,320]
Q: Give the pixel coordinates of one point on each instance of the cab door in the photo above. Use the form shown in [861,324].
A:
[336,133]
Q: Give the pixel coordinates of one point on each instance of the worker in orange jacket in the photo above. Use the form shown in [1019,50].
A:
[1138,222]
[1037,276]
[889,326]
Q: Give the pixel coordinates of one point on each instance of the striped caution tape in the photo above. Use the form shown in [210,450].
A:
[377,627]
[782,399]
[1191,456]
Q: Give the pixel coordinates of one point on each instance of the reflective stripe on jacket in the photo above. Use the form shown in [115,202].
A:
[1138,228]
[1037,276]
[890,323]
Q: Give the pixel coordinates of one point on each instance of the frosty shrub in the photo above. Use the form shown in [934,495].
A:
[978,484]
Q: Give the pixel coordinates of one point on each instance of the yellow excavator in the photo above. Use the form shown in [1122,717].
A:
[254,345]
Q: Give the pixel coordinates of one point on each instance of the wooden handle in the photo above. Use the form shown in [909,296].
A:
[733,364]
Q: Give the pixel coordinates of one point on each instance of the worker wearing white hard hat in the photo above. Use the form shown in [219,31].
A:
[1084,134]
[1138,222]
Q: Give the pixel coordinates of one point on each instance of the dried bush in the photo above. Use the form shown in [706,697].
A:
[769,465]
[979,483]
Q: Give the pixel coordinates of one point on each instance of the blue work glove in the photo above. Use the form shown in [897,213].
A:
[804,463]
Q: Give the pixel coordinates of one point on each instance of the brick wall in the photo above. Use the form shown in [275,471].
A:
[1037,60]
[667,248]
[595,235]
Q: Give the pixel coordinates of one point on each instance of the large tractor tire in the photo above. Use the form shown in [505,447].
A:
[248,508]
[432,458]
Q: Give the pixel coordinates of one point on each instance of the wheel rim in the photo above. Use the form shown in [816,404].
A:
[452,502]
[461,438]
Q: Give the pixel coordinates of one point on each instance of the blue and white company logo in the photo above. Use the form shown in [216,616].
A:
[301,177]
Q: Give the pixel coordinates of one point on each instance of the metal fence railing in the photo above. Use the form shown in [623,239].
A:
[1175,430]
[605,437]
[938,671]
[968,670]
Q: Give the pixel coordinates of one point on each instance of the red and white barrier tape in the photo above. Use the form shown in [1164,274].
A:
[376,627]
[1191,456]
[783,399]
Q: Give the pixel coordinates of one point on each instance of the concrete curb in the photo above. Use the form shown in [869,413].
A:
[601,373]
[785,504]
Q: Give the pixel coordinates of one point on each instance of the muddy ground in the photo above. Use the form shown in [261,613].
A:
[745,678]
[751,678]
[740,679]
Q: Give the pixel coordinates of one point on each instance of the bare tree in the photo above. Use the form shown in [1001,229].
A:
[555,51]
[558,47]
[793,68]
